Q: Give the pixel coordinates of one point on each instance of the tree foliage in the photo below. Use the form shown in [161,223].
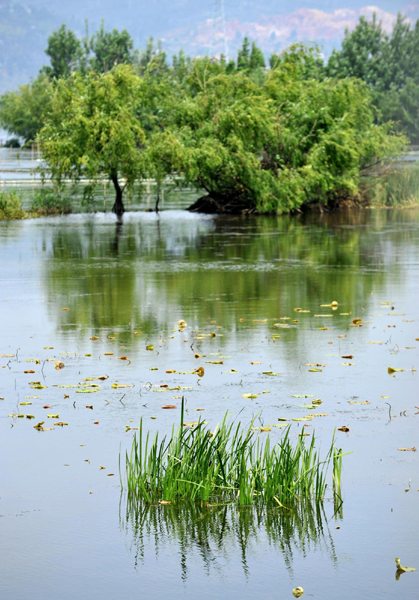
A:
[276,147]
[388,63]
[23,112]
[65,53]
[92,130]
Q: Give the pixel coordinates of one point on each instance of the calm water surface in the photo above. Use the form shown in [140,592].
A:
[67,532]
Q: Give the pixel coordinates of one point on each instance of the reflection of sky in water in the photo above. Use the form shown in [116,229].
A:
[145,276]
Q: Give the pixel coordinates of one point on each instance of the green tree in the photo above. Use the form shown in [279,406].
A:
[111,48]
[92,130]
[65,52]
[275,148]
[23,112]
[362,54]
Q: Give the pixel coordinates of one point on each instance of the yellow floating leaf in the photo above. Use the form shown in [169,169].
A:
[403,569]
[407,449]
[215,362]
[120,385]
[261,429]
[249,395]
[271,373]
[59,365]
[94,337]
[57,416]
[25,403]
[31,372]
[61,424]
[149,347]
[360,402]
[390,370]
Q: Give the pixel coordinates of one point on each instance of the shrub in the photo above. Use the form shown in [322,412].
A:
[50,202]
[11,206]
[397,187]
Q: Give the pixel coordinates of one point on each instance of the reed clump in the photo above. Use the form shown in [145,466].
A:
[50,202]
[11,206]
[396,188]
[229,465]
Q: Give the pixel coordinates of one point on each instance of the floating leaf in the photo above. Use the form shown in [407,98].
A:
[403,569]
[215,362]
[57,416]
[25,403]
[349,356]
[261,429]
[303,396]
[59,365]
[31,372]
[60,423]
[407,449]
[297,592]
[344,428]
[390,370]
[94,337]
[149,347]
[166,406]
[315,370]
[249,395]
[271,373]
[360,402]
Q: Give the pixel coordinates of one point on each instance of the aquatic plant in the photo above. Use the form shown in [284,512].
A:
[230,464]
[49,202]
[11,206]
[396,187]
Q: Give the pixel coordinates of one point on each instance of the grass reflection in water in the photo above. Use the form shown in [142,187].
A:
[218,534]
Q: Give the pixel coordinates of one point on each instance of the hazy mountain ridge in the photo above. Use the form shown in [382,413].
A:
[275,32]
[24,28]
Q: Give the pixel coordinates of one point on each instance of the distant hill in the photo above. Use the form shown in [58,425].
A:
[187,24]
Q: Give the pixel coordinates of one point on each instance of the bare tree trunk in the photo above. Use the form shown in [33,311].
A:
[158,198]
[118,207]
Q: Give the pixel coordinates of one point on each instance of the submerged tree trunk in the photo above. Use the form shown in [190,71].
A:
[157,198]
[118,207]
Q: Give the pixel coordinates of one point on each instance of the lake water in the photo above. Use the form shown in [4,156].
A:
[66,529]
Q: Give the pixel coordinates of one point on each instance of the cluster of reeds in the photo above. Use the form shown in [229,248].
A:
[397,187]
[11,206]
[50,202]
[230,464]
